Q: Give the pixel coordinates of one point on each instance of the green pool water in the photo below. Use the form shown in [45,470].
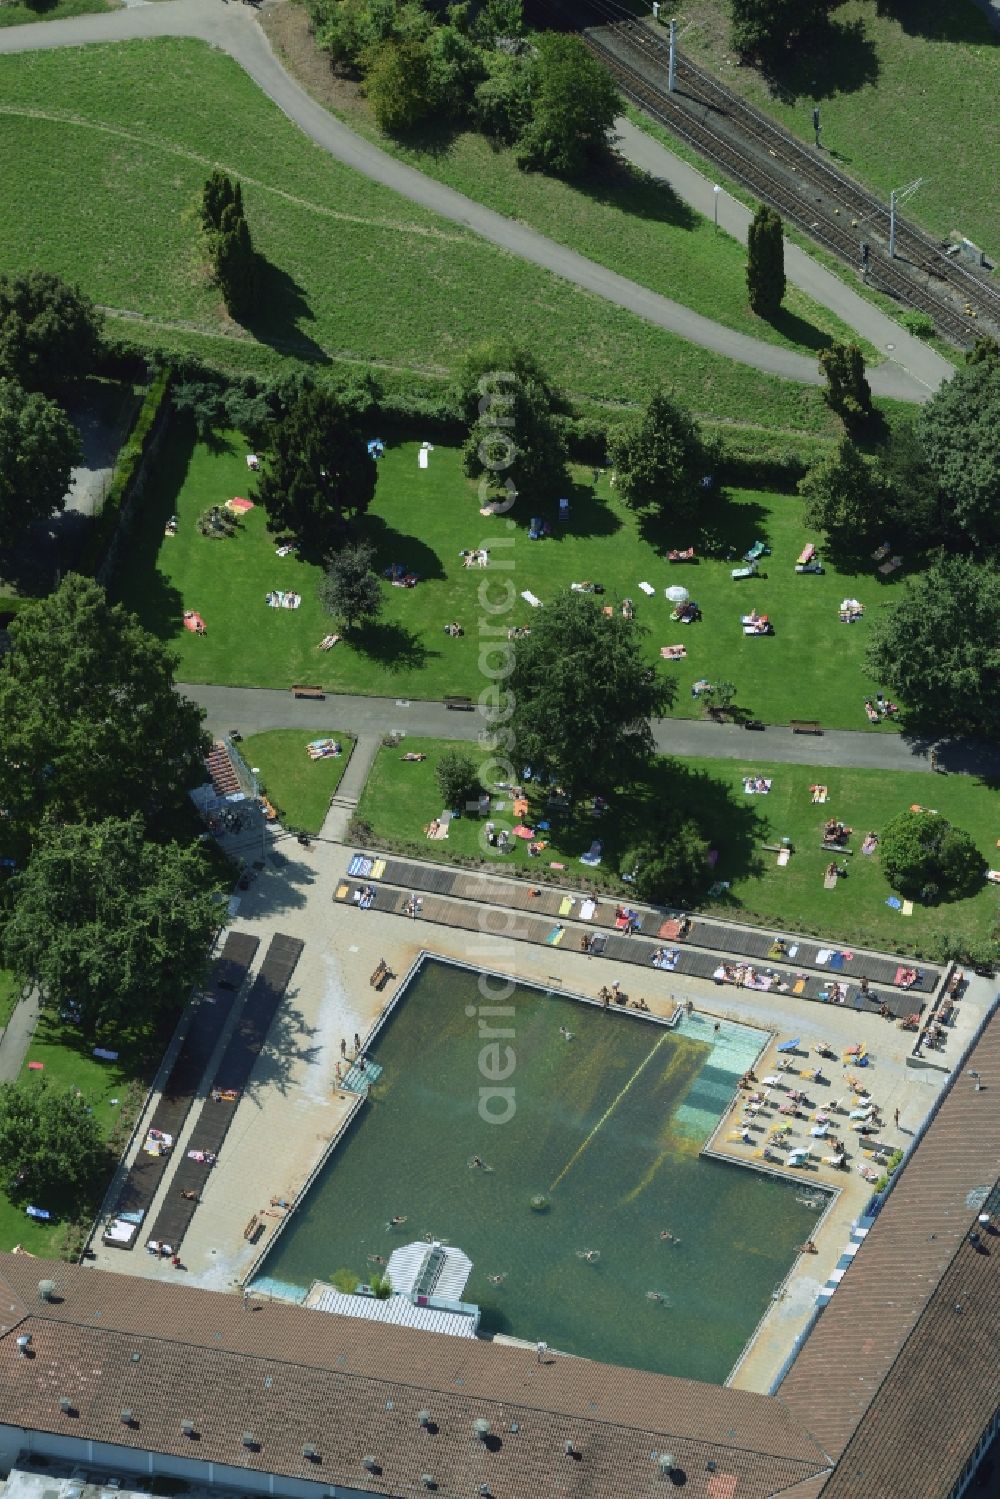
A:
[607,1127]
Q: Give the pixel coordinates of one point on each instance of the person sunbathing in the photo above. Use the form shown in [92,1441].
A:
[410,755]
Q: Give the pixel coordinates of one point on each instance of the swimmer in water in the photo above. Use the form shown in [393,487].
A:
[590,1255]
[477,1163]
[655,1296]
[498,1279]
[376,1259]
[567,1035]
[396,1222]
[668,1238]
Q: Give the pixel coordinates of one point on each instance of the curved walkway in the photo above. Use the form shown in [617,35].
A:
[254,709]
[234,29]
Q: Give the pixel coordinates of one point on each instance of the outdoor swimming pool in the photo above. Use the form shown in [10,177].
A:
[606,1126]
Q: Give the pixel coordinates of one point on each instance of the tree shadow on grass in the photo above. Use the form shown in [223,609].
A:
[730,824]
[283,312]
[392,646]
[589,515]
[616,183]
[838,58]
[799,330]
[392,547]
[723,528]
[940,23]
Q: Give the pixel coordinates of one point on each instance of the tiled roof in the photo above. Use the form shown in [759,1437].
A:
[941,1393]
[896,1272]
[288,1377]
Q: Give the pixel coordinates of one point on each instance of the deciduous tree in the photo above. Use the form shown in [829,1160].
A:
[660,459]
[582,696]
[38,447]
[574,104]
[924,856]
[766,262]
[516,440]
[319,474]
[49,331]
[50,1141]
[766,28]
[669,868]
[939,647]
[90,723]
[959,430]
[349,589]
[457,777]
[844,498]
[110,924]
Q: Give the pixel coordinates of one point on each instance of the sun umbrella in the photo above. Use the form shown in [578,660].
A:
[678,595]
[790,1045]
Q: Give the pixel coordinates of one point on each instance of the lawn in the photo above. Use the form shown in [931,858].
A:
[811,667]
[9,995]
[14,14]
[909,93]
[401,798]
[106,149]
[113,1091]
[298,788]
[618,217]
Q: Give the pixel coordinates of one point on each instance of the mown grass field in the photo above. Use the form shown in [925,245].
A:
[106,149]
[298,788]
[811,666]
[905,94]
[401,798]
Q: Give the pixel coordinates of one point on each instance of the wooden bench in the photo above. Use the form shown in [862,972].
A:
[314,692]
[805,726]
[836,848]
[459,704]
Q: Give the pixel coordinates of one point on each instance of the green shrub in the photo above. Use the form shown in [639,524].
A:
[345,1280]
[919,324]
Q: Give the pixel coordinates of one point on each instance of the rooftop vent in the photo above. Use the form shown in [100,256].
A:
[23,1344]
[711,1466]
[424,1417]
[250,1441]
[310,1453]
[666,1463]
[188,1428]
[65,1404]
[46,1290]
[428,1480]
[569,1449]
[370,1463]
[481,1428]
[128,1419]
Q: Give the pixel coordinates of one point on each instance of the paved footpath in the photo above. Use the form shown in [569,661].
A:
[253,709]
[235,29]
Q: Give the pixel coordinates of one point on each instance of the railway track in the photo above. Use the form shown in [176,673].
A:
[804,187]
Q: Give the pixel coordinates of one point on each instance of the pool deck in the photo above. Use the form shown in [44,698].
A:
[293,1110]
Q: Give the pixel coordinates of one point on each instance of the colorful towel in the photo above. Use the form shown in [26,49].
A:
[555,936]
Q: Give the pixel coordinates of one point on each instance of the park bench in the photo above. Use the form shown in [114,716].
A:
[314,692]
[805,726]
[459,704]
[836,848]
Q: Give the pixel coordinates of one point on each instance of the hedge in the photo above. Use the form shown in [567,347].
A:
[127,466]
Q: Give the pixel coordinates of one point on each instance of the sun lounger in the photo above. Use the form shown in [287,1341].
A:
[647,588]
[759,549]
[532,599]
[890,566]
[807,554]
[423,458]
[744,572]
[881,552]
[593,855]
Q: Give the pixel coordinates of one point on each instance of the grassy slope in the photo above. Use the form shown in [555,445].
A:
[623,220]
[811,667]
[916,97]
[299,788]
[110,171]
[400,799]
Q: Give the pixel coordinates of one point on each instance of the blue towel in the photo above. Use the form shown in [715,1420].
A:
[895,902]
[837,961]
